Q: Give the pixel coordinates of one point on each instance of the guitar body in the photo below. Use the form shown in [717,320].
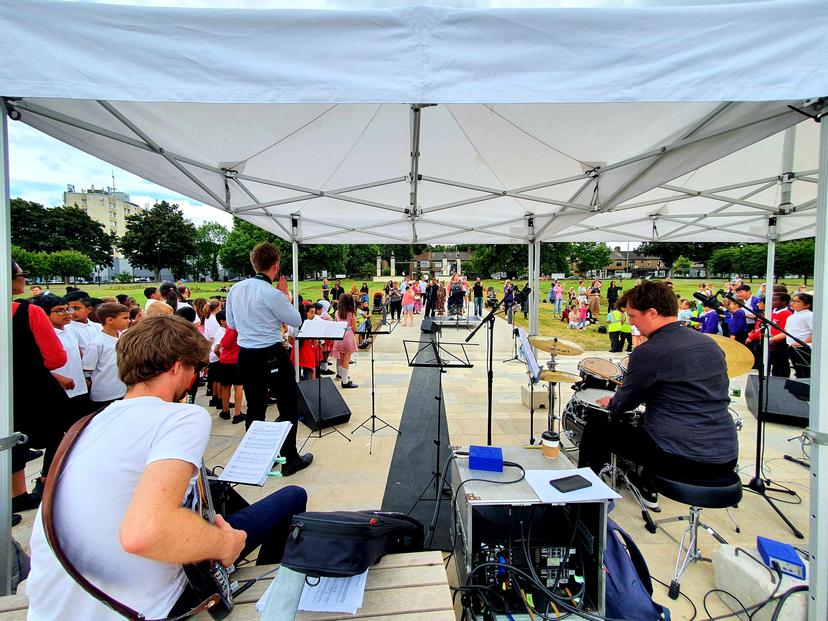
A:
[209,578]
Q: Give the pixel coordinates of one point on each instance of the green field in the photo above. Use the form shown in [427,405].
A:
[589,337]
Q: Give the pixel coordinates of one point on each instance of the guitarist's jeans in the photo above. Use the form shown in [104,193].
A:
[255,366]
[267,524]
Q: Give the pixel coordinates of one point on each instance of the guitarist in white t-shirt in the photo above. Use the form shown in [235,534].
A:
[118,510]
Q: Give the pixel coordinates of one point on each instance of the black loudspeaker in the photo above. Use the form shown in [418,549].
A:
[334,409]
[430,326]
[780,405]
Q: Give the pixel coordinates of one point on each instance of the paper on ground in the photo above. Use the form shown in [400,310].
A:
[256,453]
[334,595]
[539,480]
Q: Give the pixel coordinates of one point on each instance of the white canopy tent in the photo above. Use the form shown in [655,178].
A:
[442,125]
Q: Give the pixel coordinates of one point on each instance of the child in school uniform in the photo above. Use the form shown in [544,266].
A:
[227,349]
[99,361]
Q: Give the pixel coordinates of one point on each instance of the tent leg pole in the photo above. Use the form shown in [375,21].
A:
[534,307]
[295,266]
[818,595]
[5,373]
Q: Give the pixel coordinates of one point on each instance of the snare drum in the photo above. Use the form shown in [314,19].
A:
[598,373]
[582,407]
[624,364]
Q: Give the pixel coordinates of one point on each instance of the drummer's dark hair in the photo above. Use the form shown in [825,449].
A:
[648,295]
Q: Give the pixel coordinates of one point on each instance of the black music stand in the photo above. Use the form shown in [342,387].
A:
[433,355]
[383,328]
[330,332]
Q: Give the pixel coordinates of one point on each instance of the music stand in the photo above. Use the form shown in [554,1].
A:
[433,355]
[327,331]
[383,328]
[534,371]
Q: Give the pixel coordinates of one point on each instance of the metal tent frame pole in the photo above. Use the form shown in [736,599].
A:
[818,427]
[295,271]
[6,371]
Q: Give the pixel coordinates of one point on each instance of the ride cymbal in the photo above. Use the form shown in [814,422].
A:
[738,357]
[556,346]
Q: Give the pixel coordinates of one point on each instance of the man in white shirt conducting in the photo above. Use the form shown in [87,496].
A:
[118,511]
[257,311]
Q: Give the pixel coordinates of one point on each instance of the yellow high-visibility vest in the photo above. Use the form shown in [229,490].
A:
[614,321]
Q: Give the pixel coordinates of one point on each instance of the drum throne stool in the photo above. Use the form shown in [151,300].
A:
[724,495]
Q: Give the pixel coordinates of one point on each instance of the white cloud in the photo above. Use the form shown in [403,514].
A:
[40,167]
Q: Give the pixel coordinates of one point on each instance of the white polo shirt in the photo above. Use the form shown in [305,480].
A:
[73,368]
[99,360]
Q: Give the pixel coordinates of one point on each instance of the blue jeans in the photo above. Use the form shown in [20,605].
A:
[267,522]
[478,307]
[558,306]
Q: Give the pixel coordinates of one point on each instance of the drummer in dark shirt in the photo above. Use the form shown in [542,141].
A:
[680,376]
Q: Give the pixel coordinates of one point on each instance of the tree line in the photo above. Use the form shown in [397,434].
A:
[794,257]
[66,242]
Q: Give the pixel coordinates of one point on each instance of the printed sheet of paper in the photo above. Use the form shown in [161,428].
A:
[334,595]
[539,480]
[334,330]
[256,453]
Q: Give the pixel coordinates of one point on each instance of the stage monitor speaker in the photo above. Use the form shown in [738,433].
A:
[334,409]
[780,405]
[430,326]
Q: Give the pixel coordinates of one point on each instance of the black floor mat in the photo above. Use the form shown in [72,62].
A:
[414,457]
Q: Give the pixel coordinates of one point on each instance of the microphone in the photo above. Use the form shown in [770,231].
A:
[710,301]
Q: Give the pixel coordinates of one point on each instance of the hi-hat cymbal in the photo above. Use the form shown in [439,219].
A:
[738,357]
[559,377]
[554,345]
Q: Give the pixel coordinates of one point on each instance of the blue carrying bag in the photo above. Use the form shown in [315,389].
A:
[629,587]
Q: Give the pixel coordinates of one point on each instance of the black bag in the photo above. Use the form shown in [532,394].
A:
[346,543]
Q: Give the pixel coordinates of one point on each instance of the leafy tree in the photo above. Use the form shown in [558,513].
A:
[682,265]
[34,227]
[36,263]
[796,257]
[589,256]
[724,261]
[159,237]
[362,259]
[513,259]
[209,239]
[235,251]
[555,258]
[66,263]
[123,277]
[313,258]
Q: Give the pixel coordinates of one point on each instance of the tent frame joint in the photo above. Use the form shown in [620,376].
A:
[809,437]
[819,106]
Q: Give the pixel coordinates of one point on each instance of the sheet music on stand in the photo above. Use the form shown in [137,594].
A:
[529,356]
[257,451]
[323,330]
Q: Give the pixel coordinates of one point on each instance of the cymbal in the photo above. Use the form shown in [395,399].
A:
[738,357]
[559,377]
[553,345]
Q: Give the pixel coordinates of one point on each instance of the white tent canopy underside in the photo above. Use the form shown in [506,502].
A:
[488,173]
[312,118]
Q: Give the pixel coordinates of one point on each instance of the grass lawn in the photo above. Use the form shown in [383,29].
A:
[589,337]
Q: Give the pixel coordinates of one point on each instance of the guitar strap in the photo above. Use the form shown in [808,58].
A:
[48,516]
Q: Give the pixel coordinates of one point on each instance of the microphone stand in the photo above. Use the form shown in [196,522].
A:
[488,320]
[759,485]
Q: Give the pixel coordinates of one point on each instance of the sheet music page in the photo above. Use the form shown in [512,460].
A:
[529,356]
[334,595]
[323,330]
[255,454]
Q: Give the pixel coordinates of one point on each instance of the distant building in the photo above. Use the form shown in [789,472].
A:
[630,262]
[111,208]
[106,206]
[430,261]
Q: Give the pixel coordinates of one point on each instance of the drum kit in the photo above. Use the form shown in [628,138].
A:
[599,377]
